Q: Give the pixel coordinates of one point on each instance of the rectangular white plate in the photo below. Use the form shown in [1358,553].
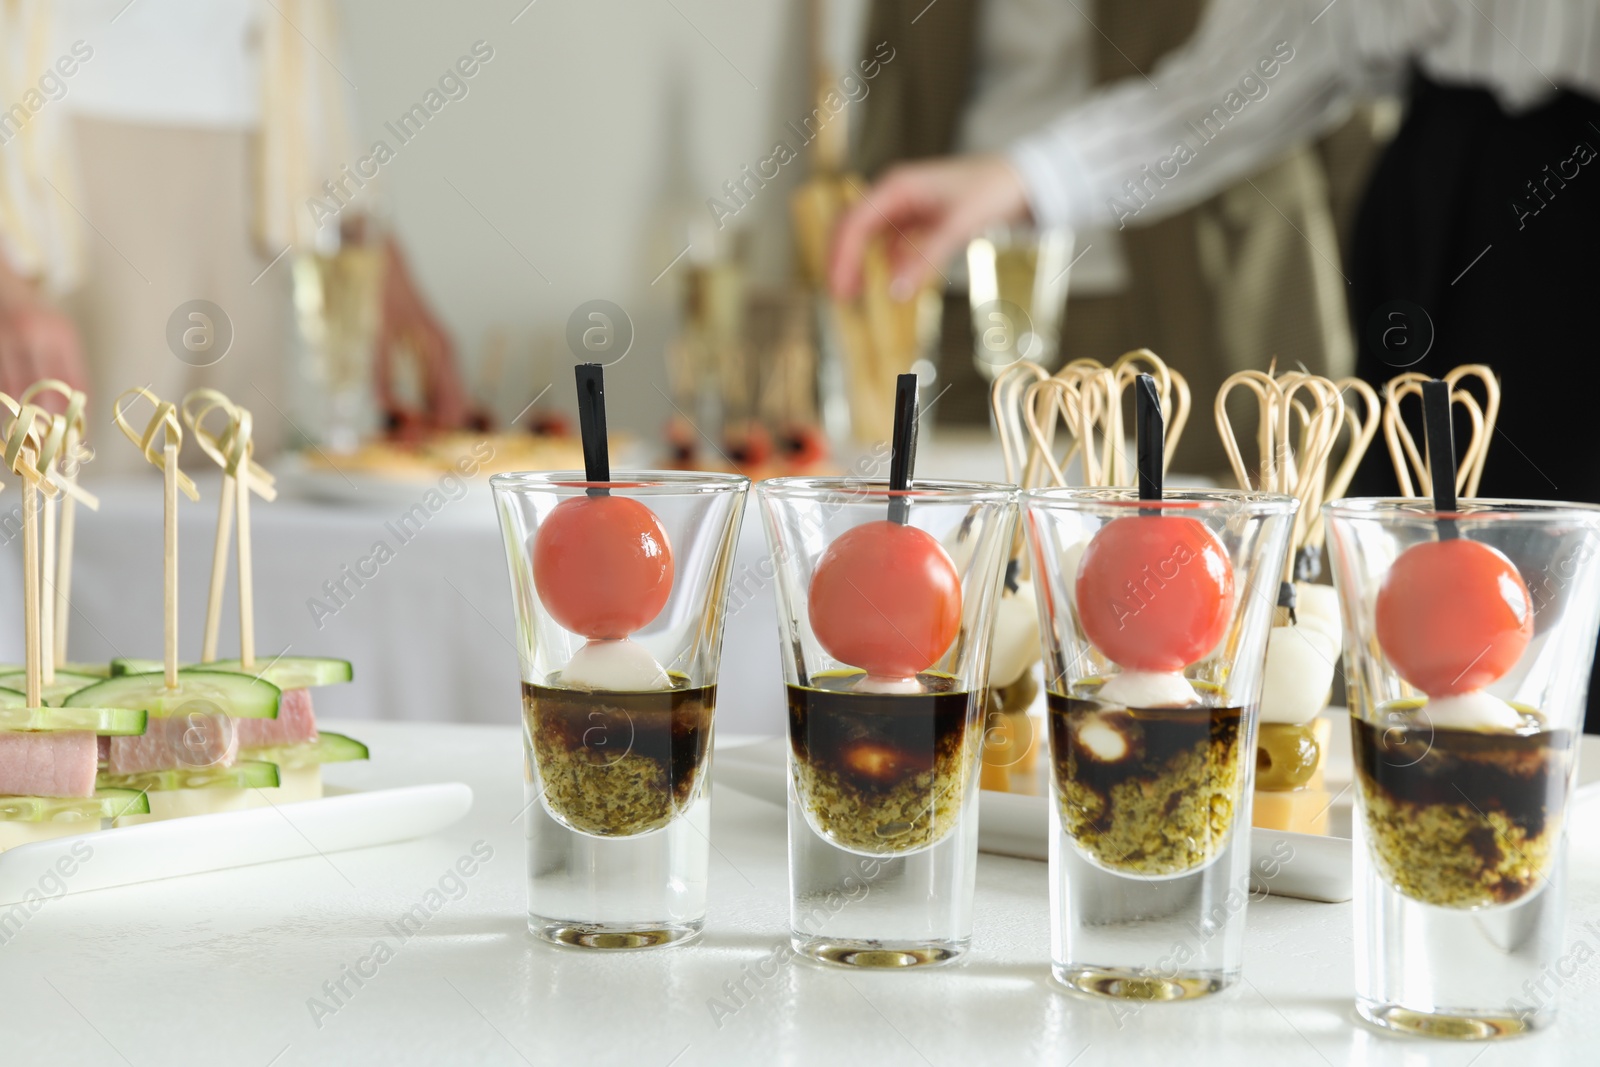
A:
[173,848]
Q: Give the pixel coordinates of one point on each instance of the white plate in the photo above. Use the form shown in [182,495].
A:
[195,844]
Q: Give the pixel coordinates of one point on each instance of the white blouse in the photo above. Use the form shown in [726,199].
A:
[1259,75]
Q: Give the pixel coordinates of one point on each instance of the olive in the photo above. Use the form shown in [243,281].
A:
[1286,757]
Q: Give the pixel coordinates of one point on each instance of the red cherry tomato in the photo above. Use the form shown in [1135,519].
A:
[1453,616]
[1155,592]
[602,565]
[886,598]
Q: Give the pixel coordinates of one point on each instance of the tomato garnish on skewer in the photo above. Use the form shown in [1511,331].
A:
[886,598]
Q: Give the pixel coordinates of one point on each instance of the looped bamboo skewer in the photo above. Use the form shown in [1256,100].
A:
[23,443]
[165,425]
[1403,451]
[232,450]
[1006,402]
[1087,397]
[1362,428]
[60,456]
[1295,443]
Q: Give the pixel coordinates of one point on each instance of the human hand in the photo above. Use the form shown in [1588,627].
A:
[37,341]
[943,202]
[408,323]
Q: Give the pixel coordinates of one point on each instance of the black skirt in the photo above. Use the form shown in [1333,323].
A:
[1477,243]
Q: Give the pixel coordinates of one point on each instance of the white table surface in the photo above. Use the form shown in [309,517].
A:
[219,968]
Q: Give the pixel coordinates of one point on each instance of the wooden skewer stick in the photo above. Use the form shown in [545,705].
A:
[65,537]
[247,586]
[30,591]
[163,424]
[47,604]
[232,449]
[219,570]
[169,562]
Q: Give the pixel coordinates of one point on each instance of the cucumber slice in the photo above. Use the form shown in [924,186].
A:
[94,670]
[120,666]
[238,695]
[246,774]
[105,804]
[107,722]
[327,748]
[292,672]
[56,692]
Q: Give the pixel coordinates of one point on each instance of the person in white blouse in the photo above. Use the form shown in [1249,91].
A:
[1476,239]
[1076,169]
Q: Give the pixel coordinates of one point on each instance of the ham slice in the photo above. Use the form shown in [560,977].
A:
[55,763]
[172,743]
[296,723]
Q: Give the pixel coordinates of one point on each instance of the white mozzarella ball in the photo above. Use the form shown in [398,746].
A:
[892,686]
[1015,647]
[615,666]
[1471,711]
[1297,675]
[1147,689]
[1071,560]
[1317,606]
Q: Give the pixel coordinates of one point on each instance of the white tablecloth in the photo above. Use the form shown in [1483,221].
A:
[229,968]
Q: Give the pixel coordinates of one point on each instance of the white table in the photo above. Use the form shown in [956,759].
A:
[219,968]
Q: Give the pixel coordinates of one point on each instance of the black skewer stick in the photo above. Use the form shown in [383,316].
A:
[1436,425]
[592,425]
[903,458]
[1150,428]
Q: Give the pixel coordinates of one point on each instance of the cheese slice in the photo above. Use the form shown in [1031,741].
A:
[1301,811]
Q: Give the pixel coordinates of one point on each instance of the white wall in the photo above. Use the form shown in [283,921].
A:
[590,142]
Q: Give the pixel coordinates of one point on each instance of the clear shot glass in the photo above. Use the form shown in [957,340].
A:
[885,607]
[1468,642]
[619,690]
[1154,616]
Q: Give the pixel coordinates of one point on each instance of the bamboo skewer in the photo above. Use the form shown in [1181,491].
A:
[1301,420]
[30,590]
[1403,450]
[219,571]
[57,459]
[47,604]
[22,450]
[1087,397]
[169,562]
[233,450]
[164,425]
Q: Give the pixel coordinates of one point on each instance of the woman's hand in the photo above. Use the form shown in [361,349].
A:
[927,212]
[36,340]
[408,323]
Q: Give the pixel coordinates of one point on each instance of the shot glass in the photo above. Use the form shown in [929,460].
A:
[885,607]
[1154,616]
[619,690]
[1468,643]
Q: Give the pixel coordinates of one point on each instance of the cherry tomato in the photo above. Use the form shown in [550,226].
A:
[1453,616]
[602,565]
[886,598]
[1155,592]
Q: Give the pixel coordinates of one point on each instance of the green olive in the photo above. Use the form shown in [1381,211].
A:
[1286,757]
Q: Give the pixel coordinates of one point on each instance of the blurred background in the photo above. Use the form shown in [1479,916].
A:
[390,230]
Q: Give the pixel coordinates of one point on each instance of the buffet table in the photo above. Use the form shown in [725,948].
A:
[430,630]
[244,966]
